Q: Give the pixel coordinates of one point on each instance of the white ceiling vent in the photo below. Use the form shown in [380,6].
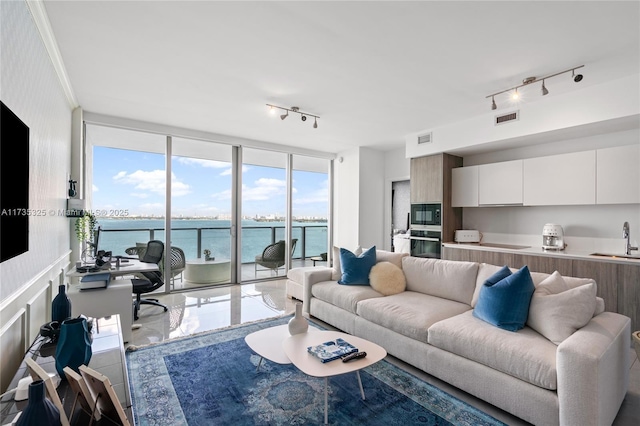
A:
[507,118]
[425,138]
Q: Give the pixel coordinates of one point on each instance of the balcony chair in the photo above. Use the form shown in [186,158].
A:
[273,256]
[152,280]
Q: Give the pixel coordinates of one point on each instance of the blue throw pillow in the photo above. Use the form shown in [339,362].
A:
[505,303]
[355,269]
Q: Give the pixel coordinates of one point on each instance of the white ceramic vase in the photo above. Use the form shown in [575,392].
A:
[298,324]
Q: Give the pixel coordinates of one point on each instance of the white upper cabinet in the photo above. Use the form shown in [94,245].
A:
[560,179]
[500,183]
[464,187]
[618,175]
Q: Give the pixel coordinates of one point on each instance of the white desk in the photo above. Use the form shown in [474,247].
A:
[117,298]
[126,268]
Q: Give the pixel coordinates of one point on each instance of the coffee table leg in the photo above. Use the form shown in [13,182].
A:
[326,400]
[259,364]
[360,383]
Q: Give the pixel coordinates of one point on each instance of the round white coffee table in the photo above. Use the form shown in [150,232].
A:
[202,271]
[268,343]
[295,347]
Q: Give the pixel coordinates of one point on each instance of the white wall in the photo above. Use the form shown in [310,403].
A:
[31,89]
[396,168]
[600,103]
[359,199]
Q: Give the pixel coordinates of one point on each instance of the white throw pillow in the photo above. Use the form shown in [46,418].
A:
[557,311]
[387,279]
[336,273]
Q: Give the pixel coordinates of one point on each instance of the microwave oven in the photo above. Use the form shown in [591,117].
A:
[423,214]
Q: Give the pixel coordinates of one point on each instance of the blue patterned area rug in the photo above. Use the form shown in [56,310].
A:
[211,378]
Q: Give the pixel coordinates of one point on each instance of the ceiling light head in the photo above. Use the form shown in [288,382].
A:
[493,103]
[544,89]
[577,78]
[515,95]
[303,118]
[315,123]
[283,116]
[272,109]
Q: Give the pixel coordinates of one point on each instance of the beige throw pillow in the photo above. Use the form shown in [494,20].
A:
[557,311]
[387,279]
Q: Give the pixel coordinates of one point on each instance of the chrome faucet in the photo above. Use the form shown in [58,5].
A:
[626,234]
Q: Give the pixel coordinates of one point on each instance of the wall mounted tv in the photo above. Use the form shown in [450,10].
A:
[14,185]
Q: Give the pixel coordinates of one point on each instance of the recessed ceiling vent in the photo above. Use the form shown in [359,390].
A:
[507,118]
[426,138]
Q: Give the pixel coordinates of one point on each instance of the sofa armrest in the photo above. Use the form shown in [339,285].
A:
[308,276]
[593,370]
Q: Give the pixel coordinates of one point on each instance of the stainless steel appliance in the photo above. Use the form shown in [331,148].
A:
[426,242]
[553,237]
[423,214]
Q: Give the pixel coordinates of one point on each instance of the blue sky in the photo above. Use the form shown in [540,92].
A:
[135,181]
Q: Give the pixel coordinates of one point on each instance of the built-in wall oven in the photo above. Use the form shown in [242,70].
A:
[426,241]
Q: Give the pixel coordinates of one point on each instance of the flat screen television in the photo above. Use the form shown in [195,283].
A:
[14,185]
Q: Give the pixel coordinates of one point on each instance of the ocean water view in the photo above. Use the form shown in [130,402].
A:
[119,234]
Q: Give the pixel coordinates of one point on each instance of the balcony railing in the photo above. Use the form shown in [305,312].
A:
[312,240]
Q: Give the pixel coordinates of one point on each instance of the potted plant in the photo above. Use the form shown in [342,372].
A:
[207,255]
[85,231]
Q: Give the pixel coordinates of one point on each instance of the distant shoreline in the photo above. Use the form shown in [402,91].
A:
[319,220]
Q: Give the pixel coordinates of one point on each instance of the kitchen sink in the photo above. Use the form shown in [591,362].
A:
[625,256]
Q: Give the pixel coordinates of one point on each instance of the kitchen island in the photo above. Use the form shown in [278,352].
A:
[617,278]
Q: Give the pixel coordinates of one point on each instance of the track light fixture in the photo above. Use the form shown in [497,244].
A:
[303,115]
[515,95]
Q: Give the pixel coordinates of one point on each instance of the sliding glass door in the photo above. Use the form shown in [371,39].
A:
[201,214]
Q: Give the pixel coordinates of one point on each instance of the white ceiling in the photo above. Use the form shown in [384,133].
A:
[373,71]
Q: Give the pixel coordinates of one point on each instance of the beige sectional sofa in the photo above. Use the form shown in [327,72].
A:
[581,381]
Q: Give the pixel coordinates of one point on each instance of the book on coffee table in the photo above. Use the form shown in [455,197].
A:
[332,350]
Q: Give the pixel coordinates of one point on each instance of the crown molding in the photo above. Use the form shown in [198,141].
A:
[41,19]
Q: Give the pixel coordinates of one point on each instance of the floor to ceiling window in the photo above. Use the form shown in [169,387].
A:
[264,207]
[201,214]
[228,204]
[310,207]
[128,187]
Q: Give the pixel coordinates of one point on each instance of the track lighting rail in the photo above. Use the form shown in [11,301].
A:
[529,80]
[303,115]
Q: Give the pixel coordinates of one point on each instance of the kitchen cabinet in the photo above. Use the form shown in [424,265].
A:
[464,187]
[500,183]
[618,175]
[426,179]
[560,179]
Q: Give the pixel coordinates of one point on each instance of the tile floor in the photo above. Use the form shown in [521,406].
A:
[207,309]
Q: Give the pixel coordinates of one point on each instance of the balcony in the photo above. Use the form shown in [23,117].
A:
[311,242]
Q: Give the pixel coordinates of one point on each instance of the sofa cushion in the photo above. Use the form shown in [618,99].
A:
[485,270]
[356,269]
[390,256]
[387,278]
[505,303]
[343,296]
[449,279]
[409,313]
[336,273]
[526,354]
[557,311]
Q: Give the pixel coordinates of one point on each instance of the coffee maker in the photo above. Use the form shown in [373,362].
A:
[553,237]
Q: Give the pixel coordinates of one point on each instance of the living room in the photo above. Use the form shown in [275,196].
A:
[54,94]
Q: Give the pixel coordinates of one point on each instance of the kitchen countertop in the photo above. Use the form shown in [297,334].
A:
[567,253]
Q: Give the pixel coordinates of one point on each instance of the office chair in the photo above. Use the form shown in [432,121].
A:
[153,280]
